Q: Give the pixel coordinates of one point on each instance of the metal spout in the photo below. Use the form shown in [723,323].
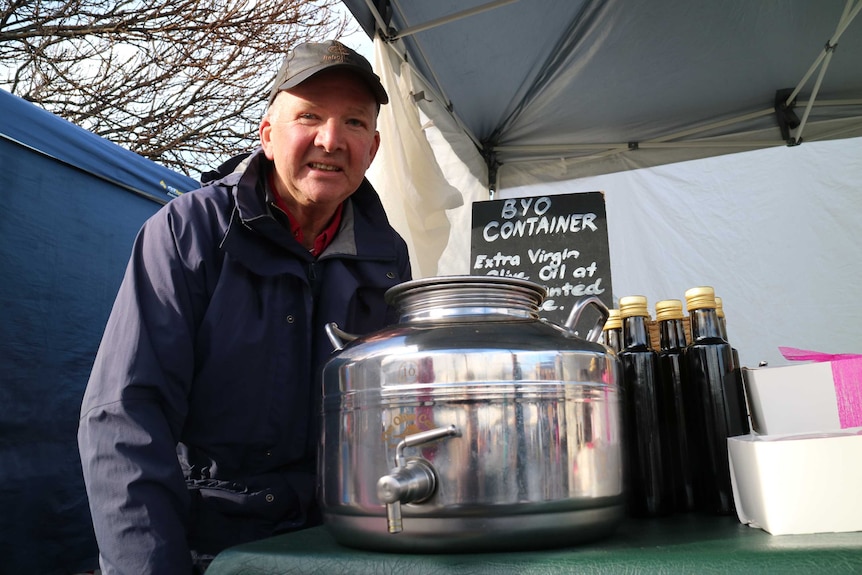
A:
[411,481]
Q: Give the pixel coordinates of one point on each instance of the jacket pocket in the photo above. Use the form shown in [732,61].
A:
[227,513]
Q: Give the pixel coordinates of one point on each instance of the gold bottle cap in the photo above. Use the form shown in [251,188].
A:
[668,309]
[614,321]
[702,297]
[719,309]
[633,305]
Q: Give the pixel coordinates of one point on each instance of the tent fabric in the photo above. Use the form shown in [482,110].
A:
[774,231]
[72,204]
[556,89]
[37,129]
[424,193]
[772,227]
[529,92]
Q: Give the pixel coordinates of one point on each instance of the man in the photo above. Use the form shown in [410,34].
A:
[198,426]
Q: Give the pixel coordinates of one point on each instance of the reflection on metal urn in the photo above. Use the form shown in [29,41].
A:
[504,428]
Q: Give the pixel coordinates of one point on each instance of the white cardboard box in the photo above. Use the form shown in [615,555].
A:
[798,484]
[804,398]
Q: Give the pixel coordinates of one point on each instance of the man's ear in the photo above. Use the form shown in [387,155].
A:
[375,147]
[264,131]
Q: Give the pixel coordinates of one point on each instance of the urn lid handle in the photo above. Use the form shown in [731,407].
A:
[596,331]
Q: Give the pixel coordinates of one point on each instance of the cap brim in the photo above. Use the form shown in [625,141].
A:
[371,79]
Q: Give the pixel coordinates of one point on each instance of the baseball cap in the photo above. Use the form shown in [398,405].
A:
[306,60]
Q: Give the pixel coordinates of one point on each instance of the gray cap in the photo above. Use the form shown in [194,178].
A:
[306,60]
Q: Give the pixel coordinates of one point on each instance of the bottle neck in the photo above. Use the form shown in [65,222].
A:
[722,327]
[705,324]
[671,334]
[635,332]
[613,338]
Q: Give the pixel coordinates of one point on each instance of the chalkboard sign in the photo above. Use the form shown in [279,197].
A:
[560,242]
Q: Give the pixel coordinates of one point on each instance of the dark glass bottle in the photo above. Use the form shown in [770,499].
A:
[612,332]
[722,328]
[648,491]
[717,410]
[736,370]
[672,342]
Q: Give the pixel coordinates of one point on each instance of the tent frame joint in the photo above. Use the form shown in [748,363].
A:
[784,114]
[493,166]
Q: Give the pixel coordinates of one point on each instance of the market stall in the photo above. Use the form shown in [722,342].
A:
[725,140]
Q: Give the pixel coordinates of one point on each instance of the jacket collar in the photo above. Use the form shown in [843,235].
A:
[364,228]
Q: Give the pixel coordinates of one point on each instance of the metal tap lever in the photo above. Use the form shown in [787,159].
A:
[578,309]
[411,481]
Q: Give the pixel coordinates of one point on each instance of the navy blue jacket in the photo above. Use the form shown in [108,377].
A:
[198,425]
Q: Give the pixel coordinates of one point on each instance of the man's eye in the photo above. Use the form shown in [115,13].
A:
[356,122]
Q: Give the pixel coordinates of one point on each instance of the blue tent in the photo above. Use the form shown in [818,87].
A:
[72,204]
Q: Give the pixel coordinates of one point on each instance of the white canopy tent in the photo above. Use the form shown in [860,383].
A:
[533,97]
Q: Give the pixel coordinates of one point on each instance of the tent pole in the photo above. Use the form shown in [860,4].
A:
[797,138]
[381,24]
[493,170]
[843,22]
[823,60]
[410,30]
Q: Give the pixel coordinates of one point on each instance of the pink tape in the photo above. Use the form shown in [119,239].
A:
[846,377]
[795,354]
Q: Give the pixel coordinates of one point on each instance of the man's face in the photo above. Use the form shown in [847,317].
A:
[322,136]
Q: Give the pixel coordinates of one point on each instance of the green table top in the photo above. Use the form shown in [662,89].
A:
[679,544]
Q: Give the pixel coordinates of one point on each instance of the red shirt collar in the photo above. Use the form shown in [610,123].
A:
[324,238]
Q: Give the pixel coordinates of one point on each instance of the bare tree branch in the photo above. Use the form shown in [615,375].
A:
[182,82]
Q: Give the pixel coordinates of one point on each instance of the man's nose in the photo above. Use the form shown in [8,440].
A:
[329,136]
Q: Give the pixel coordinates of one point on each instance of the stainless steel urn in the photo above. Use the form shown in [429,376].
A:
[471,424]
